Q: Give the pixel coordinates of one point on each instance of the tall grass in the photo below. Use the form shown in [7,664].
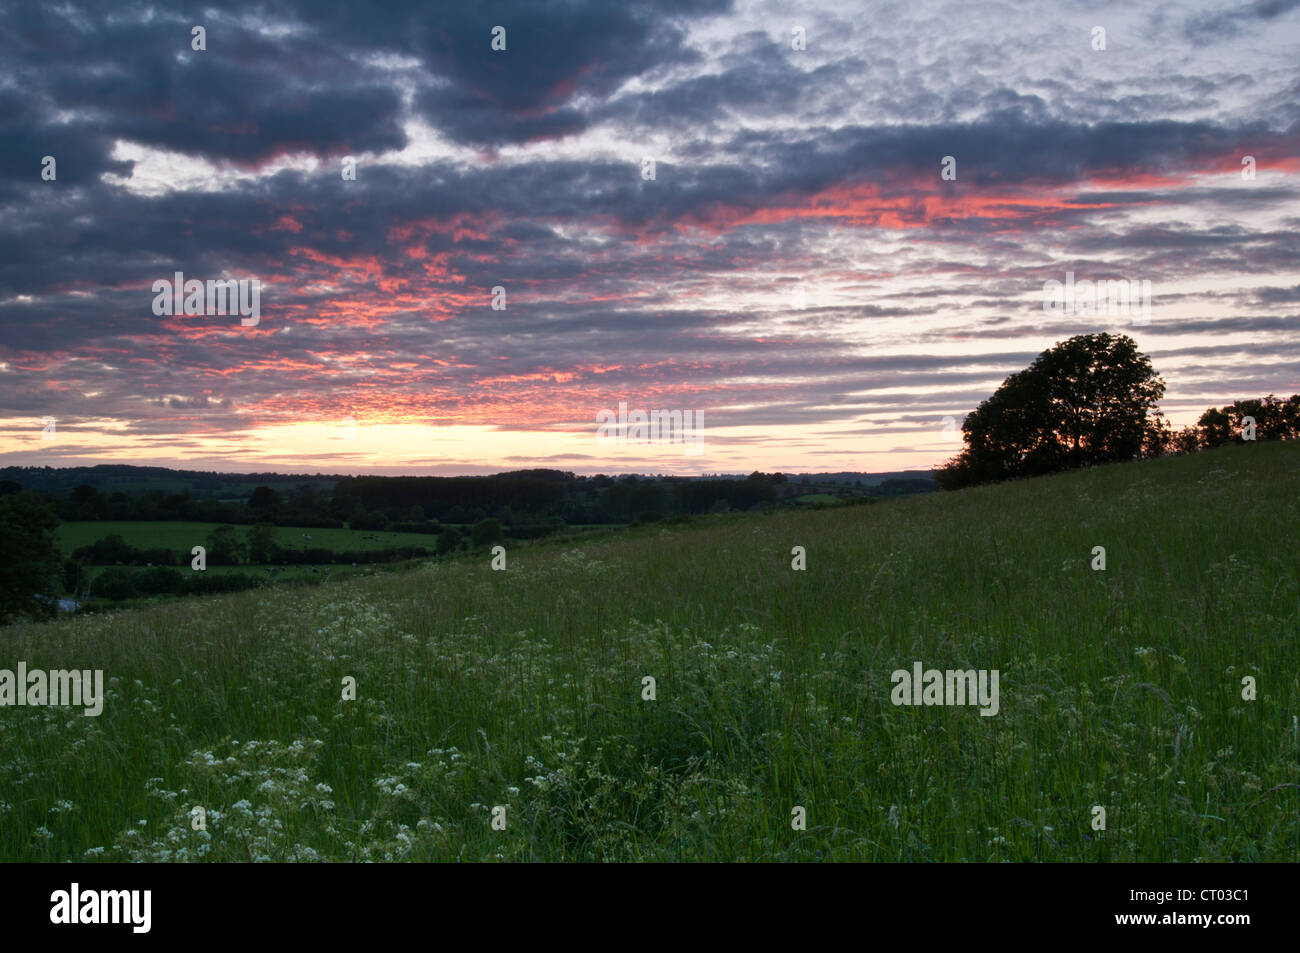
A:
[1120,689]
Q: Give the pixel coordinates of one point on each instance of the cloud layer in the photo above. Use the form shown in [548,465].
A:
[794,263]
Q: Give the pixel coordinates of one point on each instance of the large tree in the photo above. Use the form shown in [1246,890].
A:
[1091,399]
[30,566]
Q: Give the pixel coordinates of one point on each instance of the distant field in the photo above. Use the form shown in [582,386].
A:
[1121,691]
[181,536]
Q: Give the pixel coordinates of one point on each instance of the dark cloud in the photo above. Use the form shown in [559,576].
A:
[1221,25]
[778,171]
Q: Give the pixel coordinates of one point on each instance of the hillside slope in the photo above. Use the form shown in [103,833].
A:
[1120,689]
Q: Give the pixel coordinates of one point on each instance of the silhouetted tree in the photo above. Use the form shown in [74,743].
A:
[1275,419]
[1214,428]
[1187,440]
[1088,400]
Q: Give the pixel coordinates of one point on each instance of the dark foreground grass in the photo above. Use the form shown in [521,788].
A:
[522,689]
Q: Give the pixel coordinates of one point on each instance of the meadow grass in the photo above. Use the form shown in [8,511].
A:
[475,689]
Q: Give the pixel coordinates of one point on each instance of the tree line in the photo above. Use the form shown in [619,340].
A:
[531,503]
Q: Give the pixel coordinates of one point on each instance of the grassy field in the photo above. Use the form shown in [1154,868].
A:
[1120,689]
[181,537]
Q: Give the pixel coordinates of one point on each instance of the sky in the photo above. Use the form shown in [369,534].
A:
[824,229]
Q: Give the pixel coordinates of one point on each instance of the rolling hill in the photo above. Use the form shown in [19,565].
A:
[1162,690]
